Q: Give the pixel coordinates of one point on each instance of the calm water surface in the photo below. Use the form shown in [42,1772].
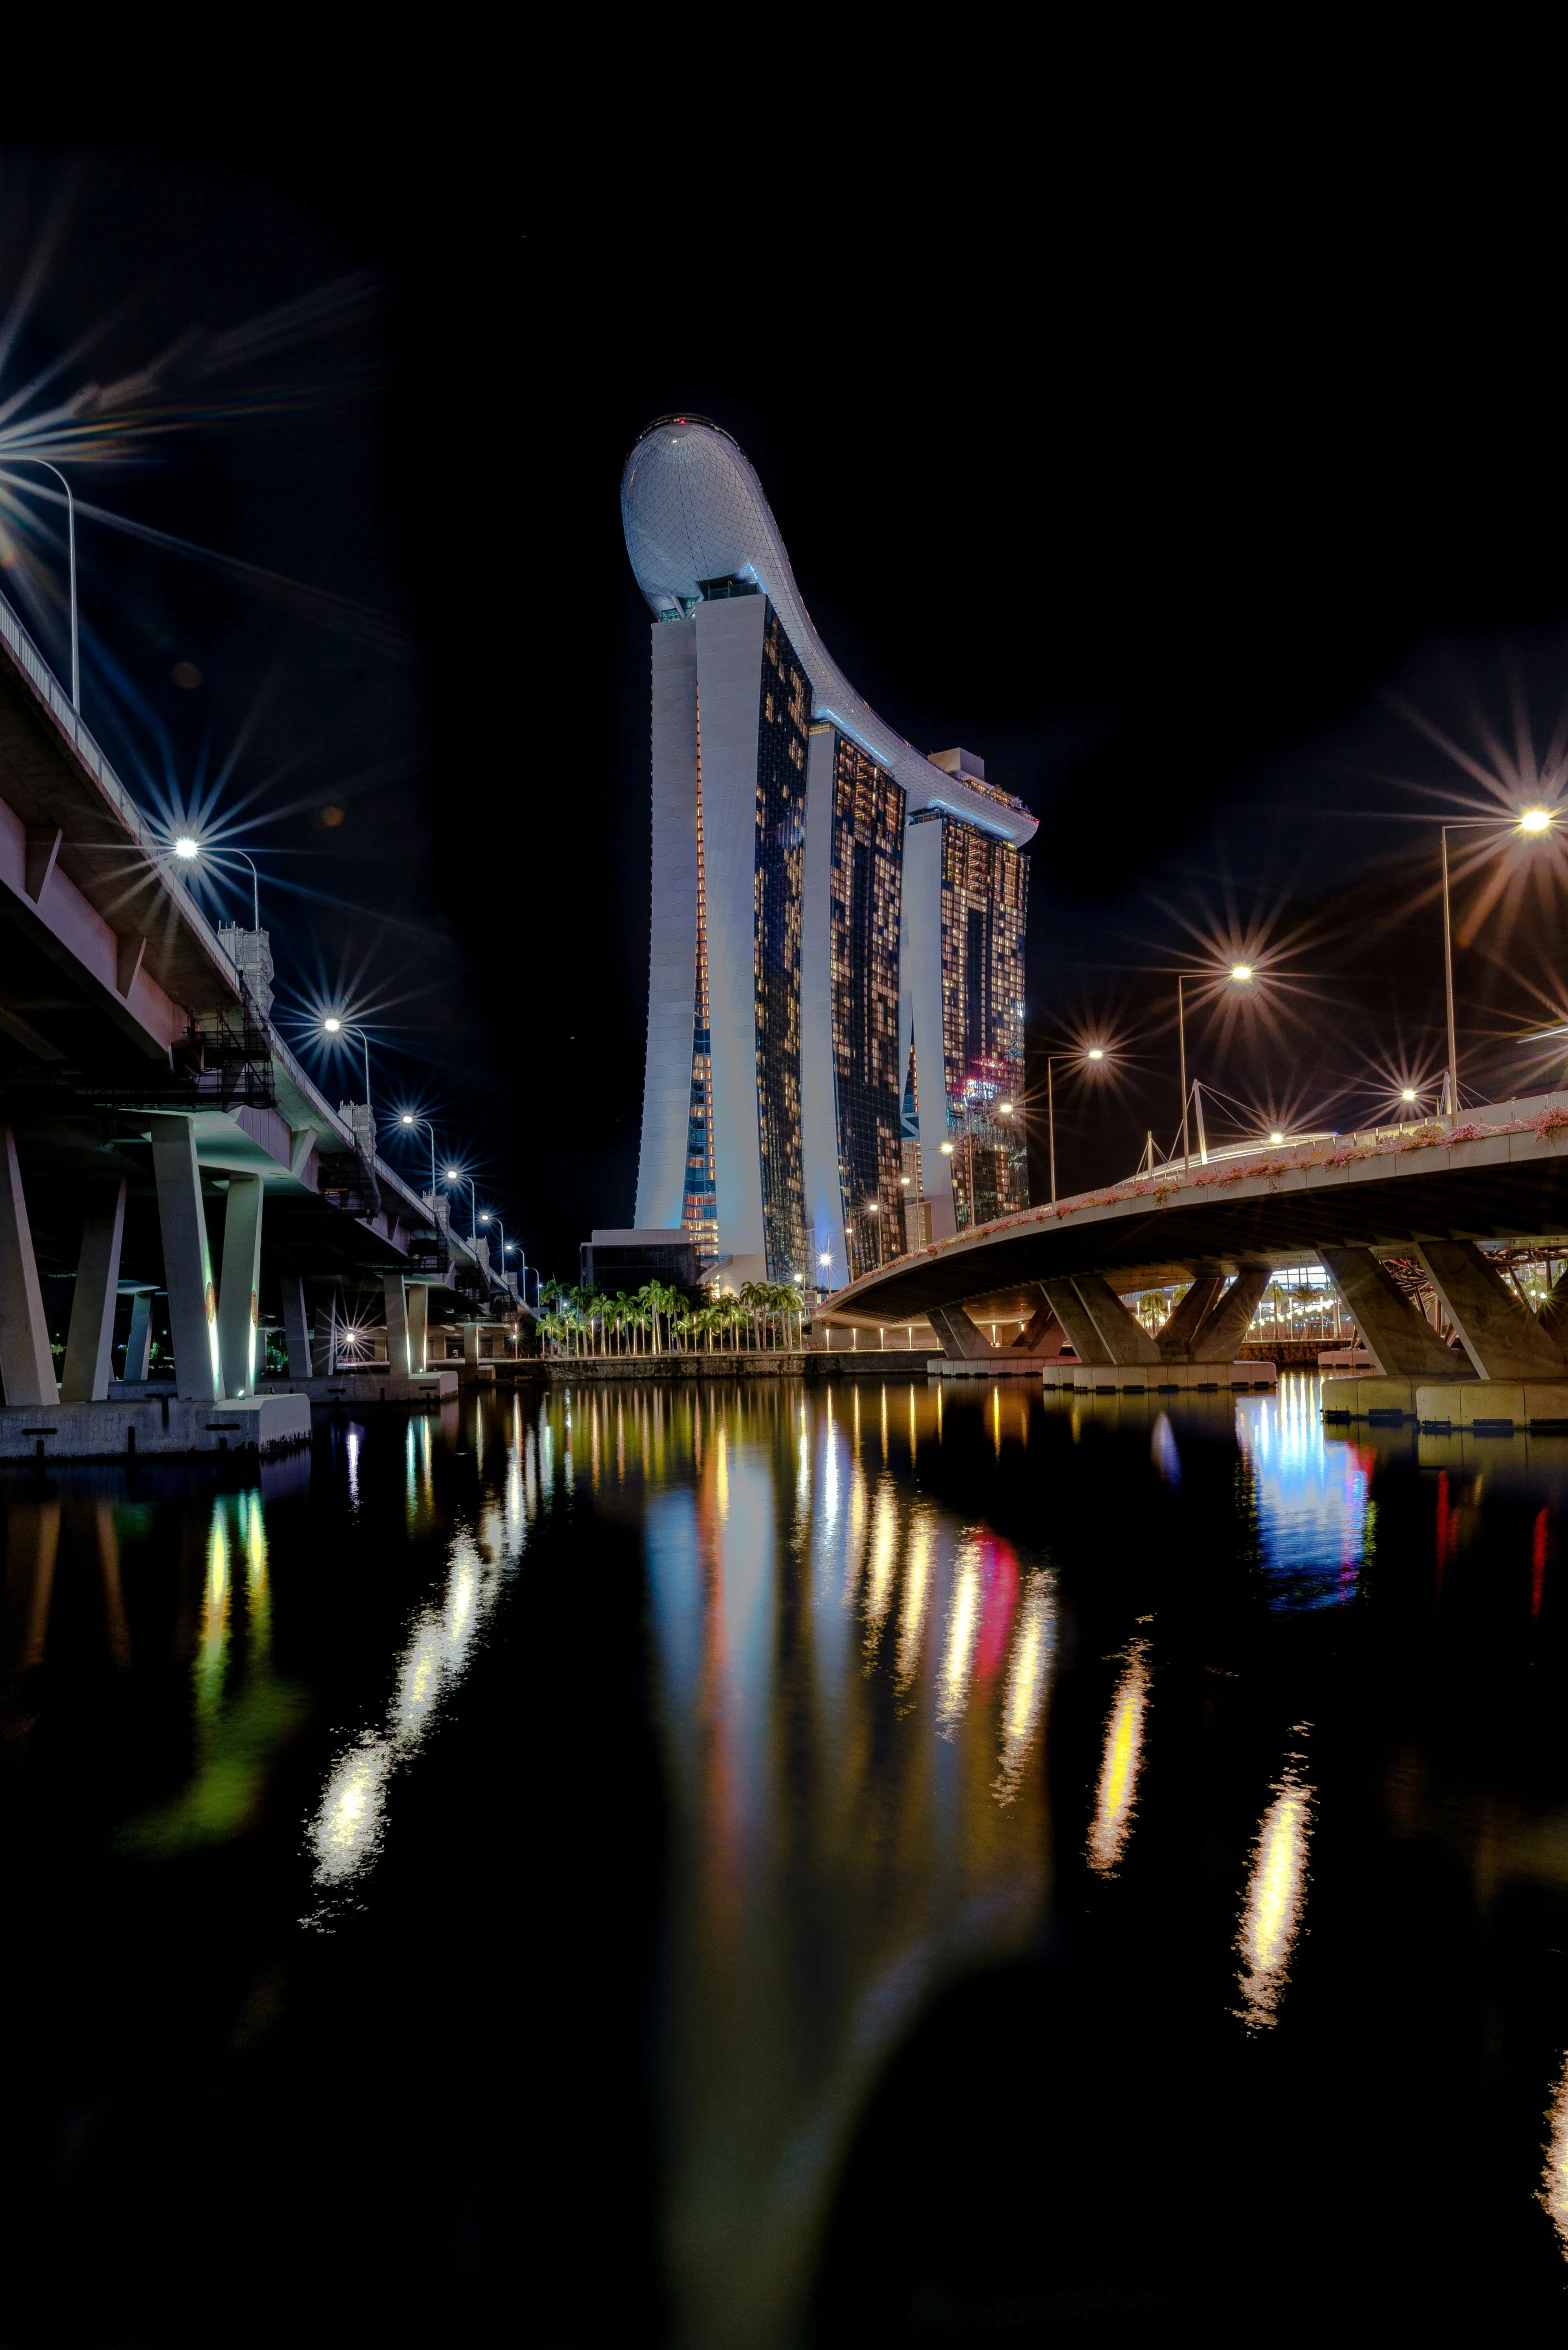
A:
[767,1865]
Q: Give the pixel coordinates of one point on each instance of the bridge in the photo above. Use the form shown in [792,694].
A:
[158,1136]
[1432,1201]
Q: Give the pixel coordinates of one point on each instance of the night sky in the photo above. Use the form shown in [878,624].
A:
[1200,519]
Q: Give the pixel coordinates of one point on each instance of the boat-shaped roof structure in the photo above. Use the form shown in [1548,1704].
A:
[694,513]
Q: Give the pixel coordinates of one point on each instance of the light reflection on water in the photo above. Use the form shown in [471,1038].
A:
[854,1688]
[1120,1764]
[1310,1492]
[1271,1918]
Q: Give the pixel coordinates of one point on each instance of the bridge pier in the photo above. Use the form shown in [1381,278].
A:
[1496,1328]
[296,1326]
[26,1364]
[417,1296]
[399,1347]
[239,1283]
[1396,1335]
[89,1342]
[187,1264]
[138,1345]
[1226,1322]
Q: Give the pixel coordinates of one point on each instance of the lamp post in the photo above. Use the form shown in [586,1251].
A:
[333,1024]
[188,848]
[490,1216]
[1532,822]
[1093,1052]
[411,1124]
[70,536]
[455,1175]
[1240,975]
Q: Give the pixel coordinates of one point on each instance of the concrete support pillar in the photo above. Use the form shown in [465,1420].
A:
[296,1326]
[1400,1340]
[1179,1331]
[89,1343]
[323,1345]
[1082,1335]
[470,1342]
[1041,1334]
[417,1306]
[1122,1335]
[399,1359]
[26,1364]
[958,1337]
[138,1346]
[187,1264]
[238,1287]
[1496,1328]
[1226,1324]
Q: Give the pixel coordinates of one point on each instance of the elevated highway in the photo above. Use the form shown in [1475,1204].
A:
[157,1135]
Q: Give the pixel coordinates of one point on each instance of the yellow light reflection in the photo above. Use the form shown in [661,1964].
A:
[962,1625]
[1028,1680]
[884,1558]
[917,1592]
[1120,1764]
[1276,1895]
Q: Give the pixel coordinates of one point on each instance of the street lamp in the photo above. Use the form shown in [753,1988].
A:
[1093,1052]
[70,533]
[188,848]
[1532,822]
[410,1123]
[456,1175]
[333,1024]
[1240,975]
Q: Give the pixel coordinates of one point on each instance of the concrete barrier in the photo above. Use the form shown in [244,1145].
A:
[134,1427]
[361,1388]
[1493,1407]
[1170,1378]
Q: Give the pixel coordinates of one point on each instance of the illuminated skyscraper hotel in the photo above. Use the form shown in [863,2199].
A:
[836,982]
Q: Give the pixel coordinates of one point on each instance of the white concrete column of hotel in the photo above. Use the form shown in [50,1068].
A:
[138,1344]
[729,686]
[187,1264]
[399,1359]
[672,955]
[89,1341]
[26,1364]
[825,1204]
[417,1296]
[238,1284]
[920,1014]
[296,1326]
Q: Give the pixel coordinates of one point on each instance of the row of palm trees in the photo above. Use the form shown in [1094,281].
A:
[762,1316]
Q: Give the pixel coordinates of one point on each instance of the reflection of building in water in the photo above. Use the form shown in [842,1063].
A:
[1120,1764]
[854,1688]
[1276,1896]
[1310,1495]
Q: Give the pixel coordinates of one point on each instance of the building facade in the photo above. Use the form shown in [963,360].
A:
[835,1016]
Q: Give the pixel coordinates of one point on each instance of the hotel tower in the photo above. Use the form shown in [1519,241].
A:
[836,981]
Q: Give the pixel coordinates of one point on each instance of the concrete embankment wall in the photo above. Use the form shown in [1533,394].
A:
[815,1363]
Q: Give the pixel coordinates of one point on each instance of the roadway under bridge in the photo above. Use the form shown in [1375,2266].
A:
[158,1139]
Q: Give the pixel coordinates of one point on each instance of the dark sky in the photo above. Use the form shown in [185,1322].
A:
[1193,509]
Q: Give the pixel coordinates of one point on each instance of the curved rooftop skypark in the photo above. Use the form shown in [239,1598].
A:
[696,518]
[836,997]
